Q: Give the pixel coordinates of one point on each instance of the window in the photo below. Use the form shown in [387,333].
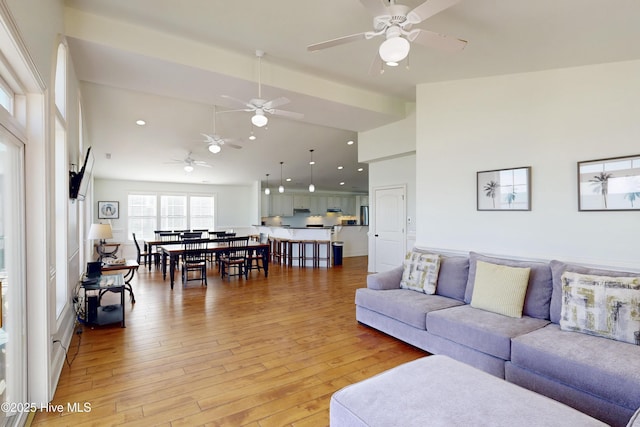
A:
[173,213]
[147,213]
[201,213]
[142,215]
[6,96]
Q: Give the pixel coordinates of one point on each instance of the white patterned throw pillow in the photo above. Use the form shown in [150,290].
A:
[605,306]
[420,272]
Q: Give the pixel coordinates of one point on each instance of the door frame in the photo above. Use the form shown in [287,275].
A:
[373,222]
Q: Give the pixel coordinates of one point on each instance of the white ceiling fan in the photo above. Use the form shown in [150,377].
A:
[260,106]
[394,21]
[189,163]
[215,141]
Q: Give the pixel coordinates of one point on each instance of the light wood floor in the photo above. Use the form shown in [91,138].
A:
[262,352]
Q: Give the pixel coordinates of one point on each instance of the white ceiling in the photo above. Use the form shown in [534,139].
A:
[173,86]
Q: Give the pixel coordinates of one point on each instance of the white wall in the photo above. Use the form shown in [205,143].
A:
[547,120]
[390,152]
[236,205]
[39,27]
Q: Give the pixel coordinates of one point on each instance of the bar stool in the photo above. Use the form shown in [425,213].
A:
[319,258]
[294,252]
[280,251]
[309,252]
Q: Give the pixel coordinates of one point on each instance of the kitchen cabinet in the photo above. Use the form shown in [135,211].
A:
[318,205]
[281,205]
[265,205]
[301,201]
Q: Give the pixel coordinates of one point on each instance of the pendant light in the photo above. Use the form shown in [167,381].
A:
[312,187]
[281,188]
[267,191]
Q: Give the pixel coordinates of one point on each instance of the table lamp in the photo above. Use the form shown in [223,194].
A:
[100,232]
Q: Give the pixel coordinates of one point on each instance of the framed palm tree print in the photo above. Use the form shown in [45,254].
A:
[504,189]
[609,184]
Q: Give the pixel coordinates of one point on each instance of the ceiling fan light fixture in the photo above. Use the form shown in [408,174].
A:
[259,119]
[393,50]
[188,168]
[214,148]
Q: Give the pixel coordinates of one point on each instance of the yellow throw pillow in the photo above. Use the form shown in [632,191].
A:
[500,289]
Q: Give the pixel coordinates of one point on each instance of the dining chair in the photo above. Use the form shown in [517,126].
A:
[191,235]
[254,259]
[194,259]
[144,256]
[235,257]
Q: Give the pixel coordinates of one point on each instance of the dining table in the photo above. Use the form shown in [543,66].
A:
[171,252]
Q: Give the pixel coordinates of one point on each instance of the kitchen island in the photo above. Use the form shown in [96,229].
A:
[353,237]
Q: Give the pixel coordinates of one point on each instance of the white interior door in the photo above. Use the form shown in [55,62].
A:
[389,231]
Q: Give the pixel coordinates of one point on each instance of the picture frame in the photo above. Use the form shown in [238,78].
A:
[504,189]
[611,184]
[108,210]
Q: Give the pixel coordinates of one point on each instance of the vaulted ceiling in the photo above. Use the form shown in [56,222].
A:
[170,62]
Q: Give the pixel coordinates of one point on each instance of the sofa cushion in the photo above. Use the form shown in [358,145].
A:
[500,288]
[538,297]
[559,267]
[604,306]
[481,330]
[605,368]
[453,275]
[403,305]
[420,272]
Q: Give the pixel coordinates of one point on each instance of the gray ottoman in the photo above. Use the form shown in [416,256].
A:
[439,391]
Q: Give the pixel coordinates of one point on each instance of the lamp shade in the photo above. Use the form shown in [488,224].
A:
[100,232]
[394,50]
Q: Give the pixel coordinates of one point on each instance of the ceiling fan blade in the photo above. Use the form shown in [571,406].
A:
[336,42]
[428,9]
[239,101]
[290,114]
[439,41]
[275,103]
[235,111]
[236,146]
[375,7]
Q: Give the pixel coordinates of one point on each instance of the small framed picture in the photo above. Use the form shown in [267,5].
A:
[609,184]
[108,210]
[504,190]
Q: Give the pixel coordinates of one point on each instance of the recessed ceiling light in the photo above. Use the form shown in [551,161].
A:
[360,169]
[141,122]
[340,168]
[349,142]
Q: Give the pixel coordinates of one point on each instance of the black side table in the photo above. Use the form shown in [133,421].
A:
[95,312]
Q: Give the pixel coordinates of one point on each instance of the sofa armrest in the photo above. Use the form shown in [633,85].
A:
[385,280]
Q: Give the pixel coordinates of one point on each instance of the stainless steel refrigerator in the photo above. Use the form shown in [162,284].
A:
[364,215]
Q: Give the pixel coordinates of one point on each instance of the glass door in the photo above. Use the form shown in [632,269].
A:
[12,281]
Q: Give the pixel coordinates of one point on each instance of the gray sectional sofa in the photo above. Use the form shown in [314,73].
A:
[596,375]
